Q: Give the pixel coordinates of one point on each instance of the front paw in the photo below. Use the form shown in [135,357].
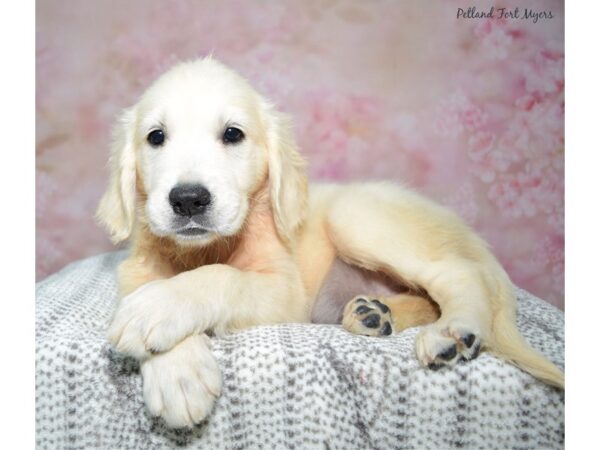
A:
[152,319]
[182,384]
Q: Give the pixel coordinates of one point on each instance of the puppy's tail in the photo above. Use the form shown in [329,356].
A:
[508,344]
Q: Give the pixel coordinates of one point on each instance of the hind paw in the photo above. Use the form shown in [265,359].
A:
[367,316]
[438,346]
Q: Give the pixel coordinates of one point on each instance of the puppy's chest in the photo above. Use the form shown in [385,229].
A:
[342,283]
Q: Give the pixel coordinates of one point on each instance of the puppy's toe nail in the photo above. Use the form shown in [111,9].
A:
[360,300]
[371,321]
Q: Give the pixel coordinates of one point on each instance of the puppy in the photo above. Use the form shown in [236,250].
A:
[207,183]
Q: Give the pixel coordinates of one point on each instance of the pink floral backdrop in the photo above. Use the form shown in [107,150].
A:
[467,111]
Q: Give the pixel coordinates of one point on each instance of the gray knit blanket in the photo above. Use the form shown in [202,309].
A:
[294,386]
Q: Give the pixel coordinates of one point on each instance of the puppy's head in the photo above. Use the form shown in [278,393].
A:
[198,145]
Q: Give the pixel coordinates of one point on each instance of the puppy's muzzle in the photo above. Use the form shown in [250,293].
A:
[189,200]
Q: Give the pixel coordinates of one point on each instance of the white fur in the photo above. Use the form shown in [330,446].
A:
[182,385]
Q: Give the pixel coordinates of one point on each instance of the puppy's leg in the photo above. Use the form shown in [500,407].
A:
[160,314]
[383,316]
[412,311]
[182,384]
[138,270]
[425,247]
[465,326]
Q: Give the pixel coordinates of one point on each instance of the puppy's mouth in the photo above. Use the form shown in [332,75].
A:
[189,229]
[192,232]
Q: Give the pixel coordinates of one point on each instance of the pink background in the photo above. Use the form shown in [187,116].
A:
[469,112]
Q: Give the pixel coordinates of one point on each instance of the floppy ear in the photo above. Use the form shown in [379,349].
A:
[117,206]
[287,178]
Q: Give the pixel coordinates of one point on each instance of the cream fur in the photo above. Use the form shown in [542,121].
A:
[272,241]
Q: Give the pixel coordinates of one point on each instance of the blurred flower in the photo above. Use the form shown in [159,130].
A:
[457,113]
[495,37]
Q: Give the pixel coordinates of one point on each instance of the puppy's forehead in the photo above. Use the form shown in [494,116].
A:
[198,88]
[205,109]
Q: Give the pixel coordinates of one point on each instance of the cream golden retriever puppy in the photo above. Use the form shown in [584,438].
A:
[225,234]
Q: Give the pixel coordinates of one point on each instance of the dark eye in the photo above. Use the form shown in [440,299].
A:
[233,135]
[156,138]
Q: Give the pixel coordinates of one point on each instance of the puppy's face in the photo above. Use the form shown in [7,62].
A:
[200,153]
[200,143]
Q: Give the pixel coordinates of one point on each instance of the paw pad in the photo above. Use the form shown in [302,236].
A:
[371,321]
[468,339]
[363,309]
[369,317]
[381,306]
[435,366]
[448,354]
[438,346]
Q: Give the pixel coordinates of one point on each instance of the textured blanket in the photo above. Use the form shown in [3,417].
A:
[288,386]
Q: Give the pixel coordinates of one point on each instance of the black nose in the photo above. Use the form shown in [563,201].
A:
[189,199]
